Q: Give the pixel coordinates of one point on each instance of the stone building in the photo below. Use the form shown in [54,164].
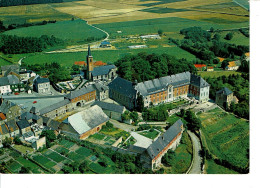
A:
[85,123]
[113,111]
[6,69]
[13,128]
[37,144]
[225,97]
[42,85]
[161,90]
[95,71]
[102,91]
[9,109]
[151,158]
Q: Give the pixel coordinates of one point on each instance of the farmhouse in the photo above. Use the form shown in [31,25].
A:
[105,44]
[169,140]
[85,123]
[232,65]
[113,111]
[200,67]
[161,90]
[225,97]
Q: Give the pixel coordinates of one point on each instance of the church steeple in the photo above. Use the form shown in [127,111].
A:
[89,62]
[89,51]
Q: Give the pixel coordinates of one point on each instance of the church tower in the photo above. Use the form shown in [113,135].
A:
[89,62]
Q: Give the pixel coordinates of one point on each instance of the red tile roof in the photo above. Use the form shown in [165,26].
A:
[210,67]
[80,63]
[199,65]
[99,63]
[2,116]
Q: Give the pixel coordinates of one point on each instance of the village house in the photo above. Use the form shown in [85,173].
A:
[13,128]
[42,85]
[169,140]
[105,44]
[4,132]
[85,123]
[233,65]
[225,97]
[26,74]
[6,69]
[102,91]
[24,126]
[9,109]
[210,69]
[161,90]
[200,67]
[113,111]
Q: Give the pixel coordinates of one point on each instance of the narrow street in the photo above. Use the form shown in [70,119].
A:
[197,160]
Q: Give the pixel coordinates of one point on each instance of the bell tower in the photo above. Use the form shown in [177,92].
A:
[89,62]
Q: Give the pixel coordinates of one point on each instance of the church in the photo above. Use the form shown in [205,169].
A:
[98,71]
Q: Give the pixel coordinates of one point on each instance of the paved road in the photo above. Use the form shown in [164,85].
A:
[196,166]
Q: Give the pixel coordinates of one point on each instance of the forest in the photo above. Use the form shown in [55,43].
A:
[12,44]
[143,66]
[206,47]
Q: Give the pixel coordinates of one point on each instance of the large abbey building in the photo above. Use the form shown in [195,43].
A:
[96,71]
[159,90]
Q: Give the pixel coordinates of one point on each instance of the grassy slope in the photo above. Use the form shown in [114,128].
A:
[213,168]
[226,136]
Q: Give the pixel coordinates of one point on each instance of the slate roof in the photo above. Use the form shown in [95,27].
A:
[198,81]
[4,129]
[13,79]
[4,81]
[46,120]
[23,124]
[12,125]
[161,84]
[54,125]
[157,146]
[100,87]
[102,70]
[105,43]
[27,116]
[88,119]
[6,105]
[123,87]
[54,106]
[109,106]
[83,91]
[6,67]
[34,110]
[224,91]
[39,80]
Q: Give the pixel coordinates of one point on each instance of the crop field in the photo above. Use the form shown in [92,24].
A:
[72,31]
[226,136]
[31,13]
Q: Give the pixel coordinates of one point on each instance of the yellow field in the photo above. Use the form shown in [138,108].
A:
[109,11]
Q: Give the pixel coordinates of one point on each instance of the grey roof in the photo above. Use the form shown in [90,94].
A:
[6,105]
[27,116]
[109,106]
[100,87]
[23,124]
[4,81]
[6,67]
[102,70]
[3,129]
[198,81]
[28,134]
[225,91]
[12,125]
[54,106]
[123,87]
[156,147]
[105,42]
[13,79]
[88,119]
[34,110]
[161,84]
[53,125]
[46,120]
[83,91]
[39,80]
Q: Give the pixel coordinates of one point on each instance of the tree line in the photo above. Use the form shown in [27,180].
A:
[5,3]
[12,44]
[143,66]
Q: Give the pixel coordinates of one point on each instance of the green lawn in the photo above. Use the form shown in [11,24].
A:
[55,156]
[206,74]
[238,38]
[97,136]
[150,134]
[66,143]
[226,136]
[14,167]
[44,161]
[213,168]
[23,149]
[60,149]
[76,31]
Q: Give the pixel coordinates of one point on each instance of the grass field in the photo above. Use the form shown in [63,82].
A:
[226,136]
[238,38]
[23,149]
[76,31]
[84,151]
[54,156]
[216,74]
[67,143]
[97,136]
[150,134]
[212,168]
[68,59]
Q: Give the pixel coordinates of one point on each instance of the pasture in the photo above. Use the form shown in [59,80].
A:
[76,31]
[226,136]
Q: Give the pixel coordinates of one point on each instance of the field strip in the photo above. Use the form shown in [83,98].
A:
[240,5]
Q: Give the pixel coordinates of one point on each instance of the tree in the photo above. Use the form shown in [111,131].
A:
[140,103]
[224,64]
[134,116]
[160,32]
[17,140]
[67,169]
[83,167]
[193,123]
[229,36]
[50,137]
[24,170]
[211,29]
[182,112]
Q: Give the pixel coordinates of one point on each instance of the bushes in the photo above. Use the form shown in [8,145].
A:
[159,113]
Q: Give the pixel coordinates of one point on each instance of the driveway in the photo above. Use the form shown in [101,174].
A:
[197,160]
